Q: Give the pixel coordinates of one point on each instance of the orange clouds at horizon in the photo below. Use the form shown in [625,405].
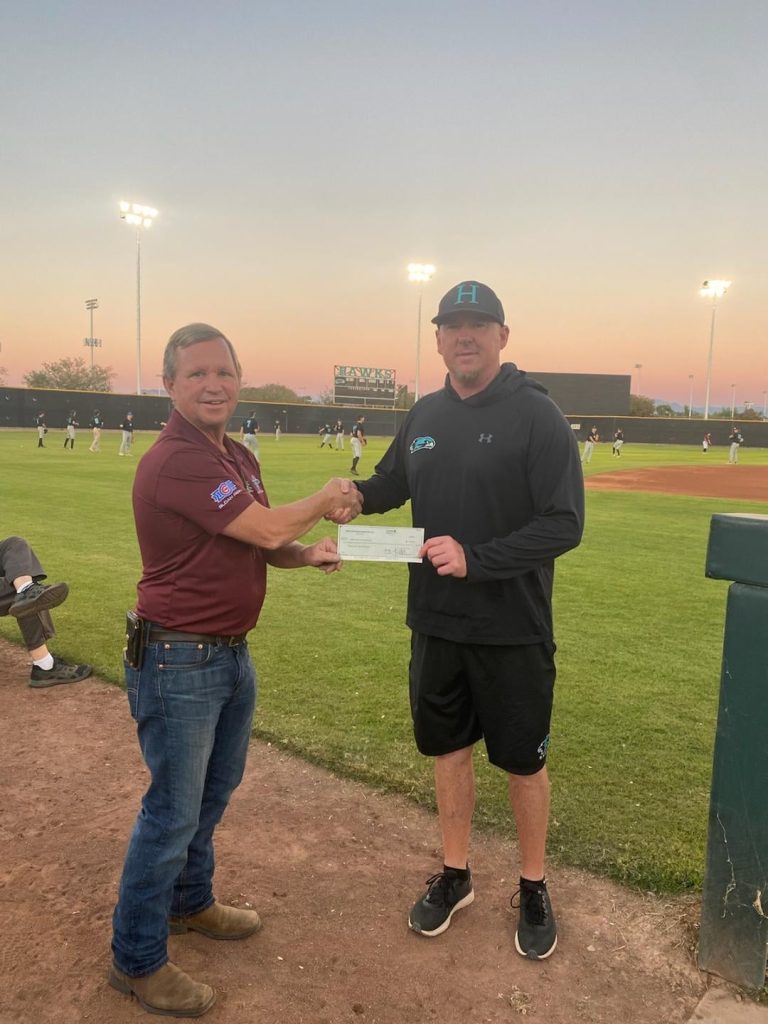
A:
[300,349]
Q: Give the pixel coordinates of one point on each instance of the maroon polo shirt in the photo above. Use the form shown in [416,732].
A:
[186,491]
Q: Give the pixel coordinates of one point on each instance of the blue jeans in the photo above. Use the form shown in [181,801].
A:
[193,705]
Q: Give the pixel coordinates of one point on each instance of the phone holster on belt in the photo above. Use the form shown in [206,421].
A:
[135,632]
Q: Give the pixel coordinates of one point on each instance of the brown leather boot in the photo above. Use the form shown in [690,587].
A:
[218,922]
[168,992]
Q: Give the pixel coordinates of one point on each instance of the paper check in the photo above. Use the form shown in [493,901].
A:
[380,543]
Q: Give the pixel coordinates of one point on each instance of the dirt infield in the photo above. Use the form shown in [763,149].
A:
[749,483]
[332,867]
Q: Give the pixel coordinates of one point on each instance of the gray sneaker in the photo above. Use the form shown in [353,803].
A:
[536,935]
[60,672]
[446,893]
[38,598]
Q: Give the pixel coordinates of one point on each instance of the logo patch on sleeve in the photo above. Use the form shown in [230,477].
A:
[226,489]
[419,444]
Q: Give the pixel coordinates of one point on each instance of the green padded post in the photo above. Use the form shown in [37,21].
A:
[734,914]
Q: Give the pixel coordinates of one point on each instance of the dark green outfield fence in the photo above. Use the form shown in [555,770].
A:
[670,430]
[19,408]
[605,394]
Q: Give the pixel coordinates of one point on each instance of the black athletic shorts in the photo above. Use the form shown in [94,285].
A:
[461,693]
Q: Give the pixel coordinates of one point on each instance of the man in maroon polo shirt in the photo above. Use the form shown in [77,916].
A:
[206,533]
[189,563]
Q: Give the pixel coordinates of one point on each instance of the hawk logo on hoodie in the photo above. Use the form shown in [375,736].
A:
[419,444]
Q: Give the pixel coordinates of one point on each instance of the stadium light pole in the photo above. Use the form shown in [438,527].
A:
[420,273]
[690,396]
[140,217]
[90,341]
[733,401]
[713,290]
[639,368]
[765,405]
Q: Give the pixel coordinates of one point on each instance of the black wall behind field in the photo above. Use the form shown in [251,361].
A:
[601,394]
[20,406]
[670,430]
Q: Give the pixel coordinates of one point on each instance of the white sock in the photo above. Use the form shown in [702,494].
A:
[23,587]
[45,663]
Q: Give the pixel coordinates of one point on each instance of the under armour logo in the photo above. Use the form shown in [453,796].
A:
[485,437]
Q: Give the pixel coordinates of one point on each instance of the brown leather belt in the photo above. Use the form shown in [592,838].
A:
[155,635]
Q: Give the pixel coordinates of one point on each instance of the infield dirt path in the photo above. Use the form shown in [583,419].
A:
[746,482]
[331,866]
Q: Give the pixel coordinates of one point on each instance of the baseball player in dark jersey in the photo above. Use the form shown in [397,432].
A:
[249,434]
[126,442]
[735,440]
[589,445]
[97,425]
[71,424]
[357,439]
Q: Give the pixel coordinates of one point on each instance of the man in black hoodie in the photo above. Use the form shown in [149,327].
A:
[493,473]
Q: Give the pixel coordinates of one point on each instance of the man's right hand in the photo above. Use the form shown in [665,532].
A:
[346,502]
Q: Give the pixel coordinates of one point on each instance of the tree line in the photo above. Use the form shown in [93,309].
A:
[73,374]
[641,405]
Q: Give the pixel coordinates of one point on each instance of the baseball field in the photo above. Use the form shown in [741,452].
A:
[638,627]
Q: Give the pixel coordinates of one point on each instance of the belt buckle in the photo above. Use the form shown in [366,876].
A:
[232,641]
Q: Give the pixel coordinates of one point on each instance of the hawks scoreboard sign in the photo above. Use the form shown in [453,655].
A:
[363,385]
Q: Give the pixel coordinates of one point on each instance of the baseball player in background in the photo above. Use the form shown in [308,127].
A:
[589,445]
[357,440]
[71,424]
[249,434]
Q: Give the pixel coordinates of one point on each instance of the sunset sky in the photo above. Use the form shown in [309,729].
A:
[593,162]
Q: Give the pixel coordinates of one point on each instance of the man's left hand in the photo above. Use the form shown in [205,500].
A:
[323,555]
[446,555]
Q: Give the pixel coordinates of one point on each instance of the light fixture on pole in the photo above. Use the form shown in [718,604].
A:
[420,273]
[690,396]
[139,217]
[713,290]
[639,368]
[91,342]
[733,401]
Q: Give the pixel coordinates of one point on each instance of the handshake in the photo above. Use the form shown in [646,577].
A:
[345,502]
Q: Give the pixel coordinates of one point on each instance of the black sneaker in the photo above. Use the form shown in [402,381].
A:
[60,672]
[37,598]
[536,935]
[446,894]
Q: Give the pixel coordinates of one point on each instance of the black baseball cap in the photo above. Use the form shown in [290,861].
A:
[470,297]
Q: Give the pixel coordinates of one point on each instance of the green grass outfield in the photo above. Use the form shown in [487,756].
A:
[638,626]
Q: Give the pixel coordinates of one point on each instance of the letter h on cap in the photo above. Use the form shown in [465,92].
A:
[465,290]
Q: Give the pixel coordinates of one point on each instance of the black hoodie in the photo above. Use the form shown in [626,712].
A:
[500,473]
